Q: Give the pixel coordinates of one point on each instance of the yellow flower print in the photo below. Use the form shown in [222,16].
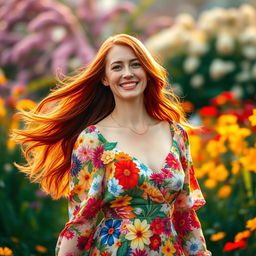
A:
[121,201]
[110,170]
[139,234]
[78,142]
[155,194]
[168,248]
[122,156]
[85,178]
[107,156]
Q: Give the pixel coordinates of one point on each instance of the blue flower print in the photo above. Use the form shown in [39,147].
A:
[76,165]
[114,187]
[110,231]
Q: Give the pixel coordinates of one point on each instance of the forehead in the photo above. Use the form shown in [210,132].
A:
[120,53]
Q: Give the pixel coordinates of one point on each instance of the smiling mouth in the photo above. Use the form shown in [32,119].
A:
[128,84]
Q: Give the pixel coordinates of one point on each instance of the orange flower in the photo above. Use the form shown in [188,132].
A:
[218,236]
[251,224]
[224,191]
[41,249]
[123,156]
[242,235]
[121,201]
[5,251]
[127,173]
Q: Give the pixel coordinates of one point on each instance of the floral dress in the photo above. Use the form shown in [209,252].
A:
[119,206]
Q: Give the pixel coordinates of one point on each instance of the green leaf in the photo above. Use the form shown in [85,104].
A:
[109,145]
[138,201]
[101,138]
[76,198]
[141,180]
[123,249]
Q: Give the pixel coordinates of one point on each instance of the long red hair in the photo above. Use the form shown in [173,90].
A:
[78,101]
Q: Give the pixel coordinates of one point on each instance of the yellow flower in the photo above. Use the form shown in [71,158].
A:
[110,169]
[227,120]
[5,251]
[121,201]
[2,108]
[139,234]
[251,224]
[224,191]
[41,249]
[235,167]
[84,178]
[168,248]
[207,167]
[220,173]
[242,235]
[155,194]
[248,160]
[210,183]
[25,104]
[215,148]
[218,236]
[107,156]
[252,118]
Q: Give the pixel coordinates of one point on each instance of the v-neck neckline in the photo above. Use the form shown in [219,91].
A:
[137,159]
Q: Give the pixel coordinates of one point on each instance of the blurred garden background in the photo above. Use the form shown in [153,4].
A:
[209,50]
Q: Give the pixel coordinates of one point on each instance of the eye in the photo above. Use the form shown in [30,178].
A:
[136,64]
[116,67]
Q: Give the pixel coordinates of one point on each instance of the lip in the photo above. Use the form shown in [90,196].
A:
[129,82]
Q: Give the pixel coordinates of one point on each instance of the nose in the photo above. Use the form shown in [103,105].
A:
[127,73]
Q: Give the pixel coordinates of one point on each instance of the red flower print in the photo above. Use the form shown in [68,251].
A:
[157,226]
[69,234]
[81,242]
[89,243]
[92,208]
[184,162]
[157,177]
[105,254]
[167,173]
[139,252]
[192,180]
[177,247]
[182,222]
[97,162]
[194,220]
[127,173]
[173,162]
[242,244]
[70,254]
[155,242]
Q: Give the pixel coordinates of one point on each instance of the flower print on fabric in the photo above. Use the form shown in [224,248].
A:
[110,232]
[139,234]
[114,188]
[145,213]
[127,173]
[75,165]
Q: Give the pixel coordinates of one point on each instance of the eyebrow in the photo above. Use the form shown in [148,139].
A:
[119,61]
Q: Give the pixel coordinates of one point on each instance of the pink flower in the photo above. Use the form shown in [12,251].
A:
[173,162]
[85,153]
[97,162]
[167,173]
[69,234]
[157,177]
[167,226]
[92,208]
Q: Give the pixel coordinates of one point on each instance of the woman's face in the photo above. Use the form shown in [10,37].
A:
[124,73]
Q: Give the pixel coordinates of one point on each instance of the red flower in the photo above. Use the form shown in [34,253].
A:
[208,111]
[173,162]
[232,246]
[69,234]
[157,226]
[81,242]
[193,182]
[89,242]
[127,173]
[92,208]
[157,177]
[182,222]
[155,242]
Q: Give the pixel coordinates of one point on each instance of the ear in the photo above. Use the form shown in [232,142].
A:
[104,81]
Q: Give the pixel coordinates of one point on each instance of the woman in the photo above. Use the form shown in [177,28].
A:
[112,139]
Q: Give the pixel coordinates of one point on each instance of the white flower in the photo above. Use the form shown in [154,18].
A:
[237,91]
[219,68]
[91,140]
[249,52]
[225,43]
[114,188]
[193,246]
[191,64]
[177,181]
[243,76]
[95,187]
[197,47]
[138,210]
[197,81]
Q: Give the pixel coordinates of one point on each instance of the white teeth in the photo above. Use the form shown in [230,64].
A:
[128,85]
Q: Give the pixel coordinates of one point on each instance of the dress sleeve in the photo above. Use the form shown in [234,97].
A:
[189,199]
[85,199]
